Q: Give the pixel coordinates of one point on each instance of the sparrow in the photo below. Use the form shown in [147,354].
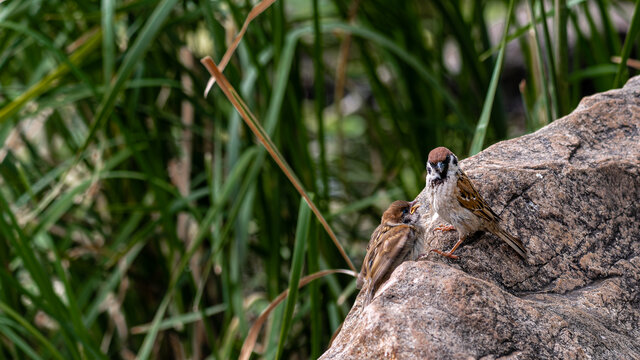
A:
[391,243]
[455,199]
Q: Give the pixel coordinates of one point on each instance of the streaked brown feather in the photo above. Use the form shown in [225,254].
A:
[390,244]
[469,198]
[512,241]
[390,248]
[375,239]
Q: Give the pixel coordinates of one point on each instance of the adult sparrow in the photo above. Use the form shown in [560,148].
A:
[455,200]
[392,242]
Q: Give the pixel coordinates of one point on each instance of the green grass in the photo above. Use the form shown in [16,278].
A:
[143,219]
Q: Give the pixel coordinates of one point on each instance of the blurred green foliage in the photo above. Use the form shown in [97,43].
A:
[126,195]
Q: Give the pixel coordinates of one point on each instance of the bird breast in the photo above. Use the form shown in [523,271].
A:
[444,201]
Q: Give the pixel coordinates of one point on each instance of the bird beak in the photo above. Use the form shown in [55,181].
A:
[414,206]
[440,167]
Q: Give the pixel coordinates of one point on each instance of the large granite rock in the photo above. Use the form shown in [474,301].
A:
[571,193]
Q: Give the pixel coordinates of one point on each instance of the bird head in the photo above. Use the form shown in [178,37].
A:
[441,163]
[401,212]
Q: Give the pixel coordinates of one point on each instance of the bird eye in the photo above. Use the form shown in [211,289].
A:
[405,211]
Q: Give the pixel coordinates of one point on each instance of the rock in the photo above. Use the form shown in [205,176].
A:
[570,192]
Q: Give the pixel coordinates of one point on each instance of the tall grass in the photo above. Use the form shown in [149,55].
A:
[141,218]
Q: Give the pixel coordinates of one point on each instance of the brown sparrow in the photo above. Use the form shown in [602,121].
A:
[392,242]
[455,200]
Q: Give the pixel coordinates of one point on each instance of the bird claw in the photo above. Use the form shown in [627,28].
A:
[443,227]
[445,254]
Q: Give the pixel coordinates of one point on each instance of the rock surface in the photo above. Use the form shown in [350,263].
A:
[571,193]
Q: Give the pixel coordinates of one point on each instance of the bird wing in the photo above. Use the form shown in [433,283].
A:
[469,198]
[389,250]
[370,255]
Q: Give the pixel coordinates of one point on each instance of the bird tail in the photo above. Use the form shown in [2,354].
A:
[512,241]
[368,296]
[369,291]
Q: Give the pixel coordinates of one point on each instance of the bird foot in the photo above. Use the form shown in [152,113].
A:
[443,227]
[445,254]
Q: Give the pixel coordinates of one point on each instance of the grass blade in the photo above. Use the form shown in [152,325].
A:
[20,243]
[551,63]
[632,35]
[313,266]
[17,341]
[302,234]
[258,9]
[111,282]
[483,123]
[259,132]
[250,341]
[541,68]
[131,60]
[32,330]
[378,38]
[522,30]
[181,320]
[203,230]
[593,72]
[318,84]
[108,39]
[561,55]
[43,85]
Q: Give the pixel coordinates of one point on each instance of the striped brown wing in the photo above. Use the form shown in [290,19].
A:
[469,198]
[387,253]
[370,255]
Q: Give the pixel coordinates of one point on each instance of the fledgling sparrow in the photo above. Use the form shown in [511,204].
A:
[392,242]
[455,200]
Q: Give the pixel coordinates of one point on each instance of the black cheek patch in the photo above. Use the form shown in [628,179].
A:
[445,169]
